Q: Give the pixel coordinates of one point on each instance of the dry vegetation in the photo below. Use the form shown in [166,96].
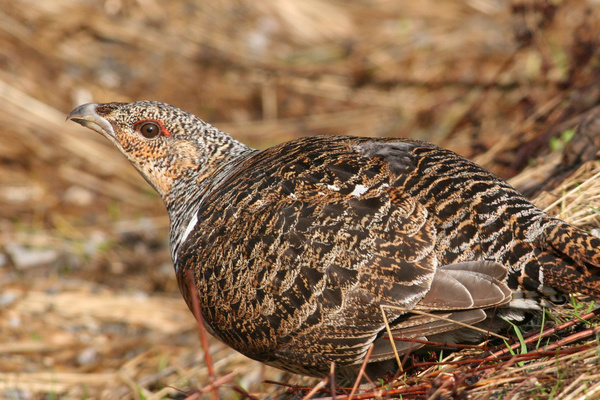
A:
[88,303]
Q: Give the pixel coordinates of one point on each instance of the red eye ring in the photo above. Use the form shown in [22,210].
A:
[150,129]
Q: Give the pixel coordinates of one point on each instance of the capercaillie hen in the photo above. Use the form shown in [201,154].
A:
[295,249]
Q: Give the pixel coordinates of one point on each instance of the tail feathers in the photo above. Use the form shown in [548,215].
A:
[575,243]
[577,270]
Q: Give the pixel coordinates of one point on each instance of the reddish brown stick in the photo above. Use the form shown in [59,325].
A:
[202,334]
[544,334]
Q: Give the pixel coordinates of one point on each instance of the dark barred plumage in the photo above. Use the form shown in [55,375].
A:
[295,249]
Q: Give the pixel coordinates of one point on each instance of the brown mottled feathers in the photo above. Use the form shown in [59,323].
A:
[296,248]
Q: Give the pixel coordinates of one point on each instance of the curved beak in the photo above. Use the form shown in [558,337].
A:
[86,115]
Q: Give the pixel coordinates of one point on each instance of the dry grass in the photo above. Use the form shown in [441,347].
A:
[88,304]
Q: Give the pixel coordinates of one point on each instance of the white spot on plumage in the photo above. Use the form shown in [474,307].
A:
[189,228]
[333,187]
[187,231]
[524,304]
[359,190]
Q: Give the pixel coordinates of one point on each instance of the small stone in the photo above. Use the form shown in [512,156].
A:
[14,321]
[17,394]
[87,356]
[7,298]
[24,257]
[78,196]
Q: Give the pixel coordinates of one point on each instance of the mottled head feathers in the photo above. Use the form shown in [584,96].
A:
[170,147]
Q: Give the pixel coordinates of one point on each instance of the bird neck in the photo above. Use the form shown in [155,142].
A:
[221,155]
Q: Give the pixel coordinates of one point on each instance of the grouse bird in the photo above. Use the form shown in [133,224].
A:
[299,250]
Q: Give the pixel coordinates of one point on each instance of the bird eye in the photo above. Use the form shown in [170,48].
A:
[149,129]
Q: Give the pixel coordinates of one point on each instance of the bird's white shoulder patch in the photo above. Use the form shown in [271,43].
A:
[190,227]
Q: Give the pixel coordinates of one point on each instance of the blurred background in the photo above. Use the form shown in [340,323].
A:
[89,306]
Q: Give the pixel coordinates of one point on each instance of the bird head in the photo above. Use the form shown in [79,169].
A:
[172,149]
